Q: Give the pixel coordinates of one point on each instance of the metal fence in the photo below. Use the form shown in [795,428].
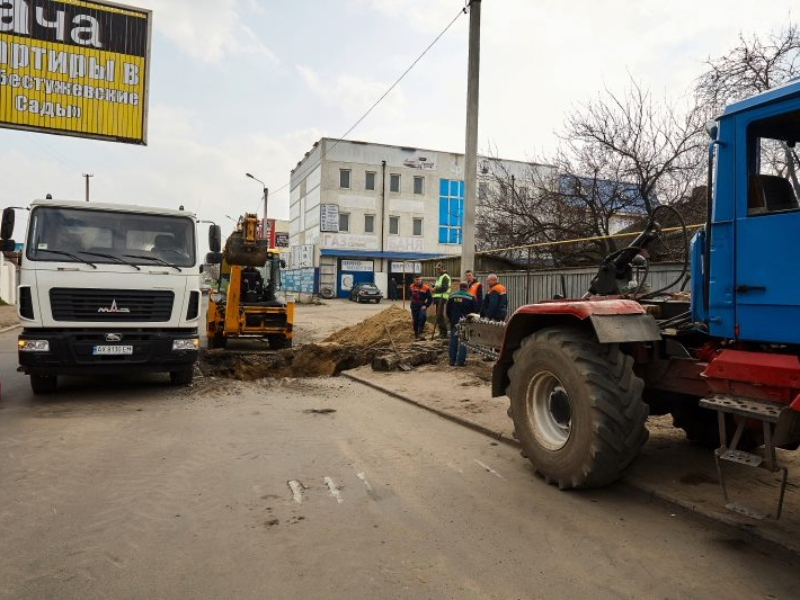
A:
[527,287]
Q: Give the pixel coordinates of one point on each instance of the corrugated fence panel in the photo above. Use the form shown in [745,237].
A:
[527,288]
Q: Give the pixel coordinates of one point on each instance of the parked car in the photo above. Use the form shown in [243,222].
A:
[365,292]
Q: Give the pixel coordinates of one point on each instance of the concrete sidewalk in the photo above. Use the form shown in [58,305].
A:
[670,469]
[8,317]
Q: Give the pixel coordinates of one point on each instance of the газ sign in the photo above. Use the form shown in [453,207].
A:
[75,67]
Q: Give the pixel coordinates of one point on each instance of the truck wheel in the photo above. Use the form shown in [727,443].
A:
[701,426]
[577,408]
[42,384]
[278,342]
[182,377]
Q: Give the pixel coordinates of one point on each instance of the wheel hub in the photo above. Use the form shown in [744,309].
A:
[550,410]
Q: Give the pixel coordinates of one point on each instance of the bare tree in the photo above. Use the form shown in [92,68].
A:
[756,65]
[620,156]
[655,145]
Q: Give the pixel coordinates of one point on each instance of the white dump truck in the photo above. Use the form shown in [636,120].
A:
[106,289]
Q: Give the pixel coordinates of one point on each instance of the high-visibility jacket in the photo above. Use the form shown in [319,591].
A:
[496,303]
[421,295]
[476,289]
[441,288]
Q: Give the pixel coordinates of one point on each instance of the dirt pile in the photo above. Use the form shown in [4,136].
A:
[372,331]
[348,348]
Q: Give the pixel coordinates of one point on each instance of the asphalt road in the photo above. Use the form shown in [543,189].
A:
[319,489]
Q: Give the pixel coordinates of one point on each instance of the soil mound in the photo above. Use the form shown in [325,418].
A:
[348,348]
[372,331]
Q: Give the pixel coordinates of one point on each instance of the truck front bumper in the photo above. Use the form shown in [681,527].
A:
[75,352]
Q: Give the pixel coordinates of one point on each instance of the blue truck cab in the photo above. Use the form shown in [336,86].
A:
[752,292]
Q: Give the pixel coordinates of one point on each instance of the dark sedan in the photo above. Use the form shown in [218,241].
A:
[366,292]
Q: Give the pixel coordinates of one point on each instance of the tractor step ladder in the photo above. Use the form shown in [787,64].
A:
[766,412]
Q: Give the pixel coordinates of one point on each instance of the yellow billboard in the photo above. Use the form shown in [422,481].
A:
[75,67]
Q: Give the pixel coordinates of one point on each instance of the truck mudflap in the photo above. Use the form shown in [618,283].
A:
[89,352]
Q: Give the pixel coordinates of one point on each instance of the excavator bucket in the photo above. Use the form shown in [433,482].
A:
[247,253]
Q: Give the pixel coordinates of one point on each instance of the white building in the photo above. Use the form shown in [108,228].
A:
[369,212]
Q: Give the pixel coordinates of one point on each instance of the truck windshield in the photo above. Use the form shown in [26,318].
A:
[100,236]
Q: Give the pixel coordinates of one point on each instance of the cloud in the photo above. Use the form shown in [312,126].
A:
[354,95]
[422,15]
[208,30]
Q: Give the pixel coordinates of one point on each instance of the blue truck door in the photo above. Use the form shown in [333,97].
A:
[767,287]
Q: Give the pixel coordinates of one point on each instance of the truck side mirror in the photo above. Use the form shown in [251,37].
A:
[712,129]
[7,227]
[7,245]
[215,238]
[214,258]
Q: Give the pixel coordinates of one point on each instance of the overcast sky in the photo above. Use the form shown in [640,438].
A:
[249,85]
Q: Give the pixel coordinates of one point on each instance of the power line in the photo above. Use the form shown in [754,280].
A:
[461,12]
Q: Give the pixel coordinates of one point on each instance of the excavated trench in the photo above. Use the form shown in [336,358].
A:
[348,348]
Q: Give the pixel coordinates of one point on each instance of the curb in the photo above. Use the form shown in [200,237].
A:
[10,328]
[645,491]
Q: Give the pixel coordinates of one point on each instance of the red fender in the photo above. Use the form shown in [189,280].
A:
[613,320]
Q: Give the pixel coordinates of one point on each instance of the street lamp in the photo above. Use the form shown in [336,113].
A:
[264,231]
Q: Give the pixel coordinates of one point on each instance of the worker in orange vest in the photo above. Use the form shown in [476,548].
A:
[475,288]
[495,304]
[421,299]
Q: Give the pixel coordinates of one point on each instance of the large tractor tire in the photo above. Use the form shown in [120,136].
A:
[577,408]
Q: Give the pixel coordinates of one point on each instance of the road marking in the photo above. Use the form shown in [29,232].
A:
[334,490]
[363,477]
[490,469]
[297,490]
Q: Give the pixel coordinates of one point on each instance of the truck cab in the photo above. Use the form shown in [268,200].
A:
[107,289]
[752,293]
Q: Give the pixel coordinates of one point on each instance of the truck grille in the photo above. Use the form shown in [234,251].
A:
[95,305]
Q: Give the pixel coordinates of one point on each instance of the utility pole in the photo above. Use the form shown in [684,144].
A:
[264,231]
[267,229]
[87,176]
[471,150]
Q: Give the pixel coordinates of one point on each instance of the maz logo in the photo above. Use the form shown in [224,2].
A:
[113,309]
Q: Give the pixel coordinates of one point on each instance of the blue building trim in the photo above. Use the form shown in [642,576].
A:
[377,254]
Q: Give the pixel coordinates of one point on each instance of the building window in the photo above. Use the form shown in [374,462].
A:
[370,181]
[394,225]
[344,178]
[344,222]
[483,191]
[394,182]
[419,185]
[417,227]
[451,211]
[369,224]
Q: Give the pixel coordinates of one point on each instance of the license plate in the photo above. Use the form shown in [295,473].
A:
[112,350]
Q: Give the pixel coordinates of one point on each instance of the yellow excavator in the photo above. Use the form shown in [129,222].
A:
[246,302]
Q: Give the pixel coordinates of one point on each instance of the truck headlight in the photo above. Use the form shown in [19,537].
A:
[192,344]
[33,345]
